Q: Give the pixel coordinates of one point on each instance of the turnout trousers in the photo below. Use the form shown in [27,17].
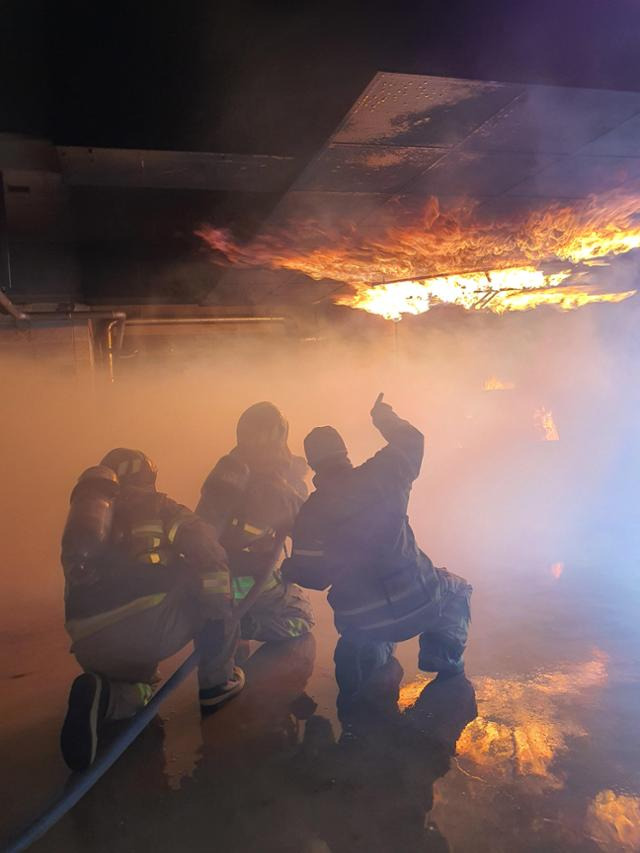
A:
[442,630]
[127,652]
[281,612]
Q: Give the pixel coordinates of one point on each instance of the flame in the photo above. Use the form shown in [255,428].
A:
[556,570]
[545,424]
[614,821]
[519,731]
[495,384]
[565,298]
[524,288]
[475,290]
[408,251]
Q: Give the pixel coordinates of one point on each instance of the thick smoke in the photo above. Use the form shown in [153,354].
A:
[493,499]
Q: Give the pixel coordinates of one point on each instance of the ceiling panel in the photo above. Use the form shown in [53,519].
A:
[622,141]
[478,173]
[175,169]
[579,177]
[412,110]
[555,120]
[367,168]
[412,145]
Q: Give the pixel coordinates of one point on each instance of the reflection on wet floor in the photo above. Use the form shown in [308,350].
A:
[537,750]
[520,729]
[614,821]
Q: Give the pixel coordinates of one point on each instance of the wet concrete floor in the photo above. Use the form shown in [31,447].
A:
[537,750]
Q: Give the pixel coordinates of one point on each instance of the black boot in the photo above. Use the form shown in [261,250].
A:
[212,697]
[88,703]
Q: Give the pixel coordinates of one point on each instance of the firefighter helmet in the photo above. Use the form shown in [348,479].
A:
[133,467]
[262,425]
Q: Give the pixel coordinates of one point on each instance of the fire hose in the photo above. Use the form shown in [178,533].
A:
[82,782]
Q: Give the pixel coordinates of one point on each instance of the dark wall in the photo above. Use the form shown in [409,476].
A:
[140,243]
[249,76]
[260,76]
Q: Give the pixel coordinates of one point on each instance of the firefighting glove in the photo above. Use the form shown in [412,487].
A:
[381,412]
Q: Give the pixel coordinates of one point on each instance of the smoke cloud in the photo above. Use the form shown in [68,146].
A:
[494,499]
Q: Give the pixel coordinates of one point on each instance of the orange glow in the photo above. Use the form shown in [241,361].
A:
[528,288]
[545,425]
[613,820]
[495,290]
[393,264]
[495,384]
[519,731]
[557,569]
[409,692]
[564,298]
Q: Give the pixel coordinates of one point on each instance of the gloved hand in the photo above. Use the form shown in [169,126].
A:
[380,411]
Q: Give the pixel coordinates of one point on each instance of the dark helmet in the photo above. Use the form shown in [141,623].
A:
[262,425]
[324,446]
[133,467]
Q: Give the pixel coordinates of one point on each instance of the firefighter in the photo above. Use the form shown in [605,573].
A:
[353,535]
[251,498]
[143,577]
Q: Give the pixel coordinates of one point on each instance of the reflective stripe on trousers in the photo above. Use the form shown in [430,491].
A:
[78,629]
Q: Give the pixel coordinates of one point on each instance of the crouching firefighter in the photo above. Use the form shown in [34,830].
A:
[251,499]
[353,535]
[144,576]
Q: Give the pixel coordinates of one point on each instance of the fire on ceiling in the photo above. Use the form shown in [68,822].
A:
[422,180]
[427,178]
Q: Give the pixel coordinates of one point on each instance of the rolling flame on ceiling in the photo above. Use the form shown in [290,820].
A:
[394,267]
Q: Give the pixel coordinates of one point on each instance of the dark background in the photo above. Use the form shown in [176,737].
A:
[275,77]
[241,77]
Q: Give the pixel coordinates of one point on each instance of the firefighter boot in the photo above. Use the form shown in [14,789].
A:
[88,702]
[212,697]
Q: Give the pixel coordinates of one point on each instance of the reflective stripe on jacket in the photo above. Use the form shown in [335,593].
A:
[155,543]
[250,510]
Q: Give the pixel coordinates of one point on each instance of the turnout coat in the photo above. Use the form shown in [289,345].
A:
[353,535]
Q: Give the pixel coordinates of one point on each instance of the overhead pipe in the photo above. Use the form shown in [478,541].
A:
[112,318]
[185,321]
[111,343]
[120,323]
[19,316]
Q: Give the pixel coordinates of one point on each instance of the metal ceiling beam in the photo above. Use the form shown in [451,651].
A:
[115,167]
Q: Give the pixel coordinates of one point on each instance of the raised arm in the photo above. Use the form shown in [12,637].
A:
[402,457]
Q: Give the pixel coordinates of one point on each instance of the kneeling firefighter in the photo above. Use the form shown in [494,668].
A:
[353,535]
[144,576]
[251,499]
